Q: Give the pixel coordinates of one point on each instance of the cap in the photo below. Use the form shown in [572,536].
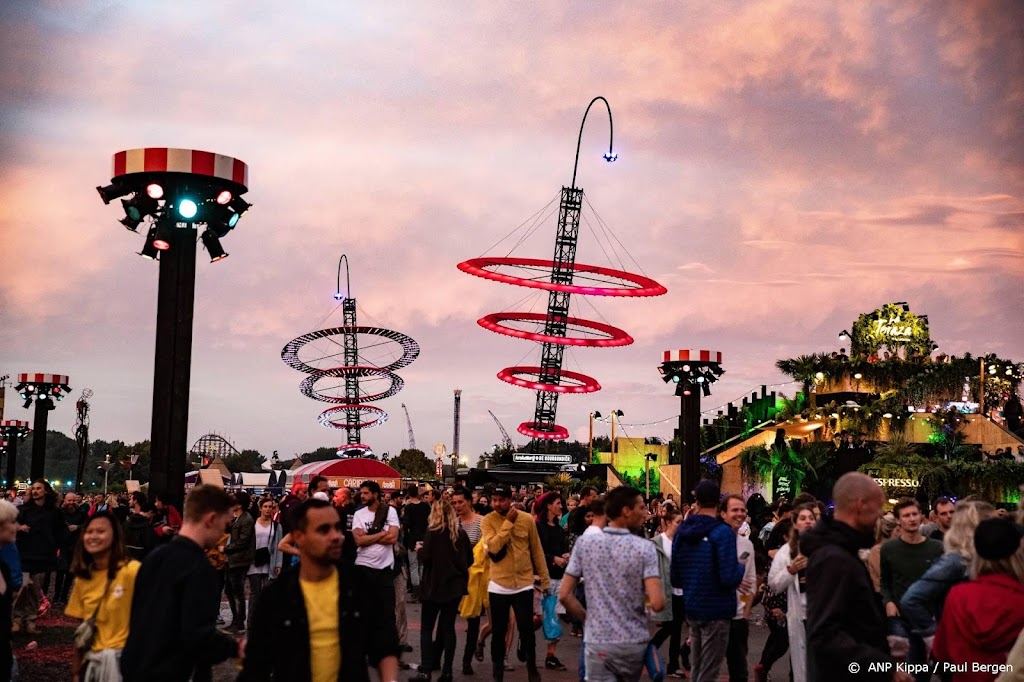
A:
[501,491]
[997,539]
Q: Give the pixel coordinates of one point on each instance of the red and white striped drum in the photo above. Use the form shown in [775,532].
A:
[174,160]
[39,378]
[692,356]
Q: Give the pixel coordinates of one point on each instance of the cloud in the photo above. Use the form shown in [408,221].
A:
[783,167]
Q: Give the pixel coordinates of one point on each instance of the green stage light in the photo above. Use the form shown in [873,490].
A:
[187,209]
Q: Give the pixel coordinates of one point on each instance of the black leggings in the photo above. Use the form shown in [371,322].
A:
[777,644]
[673,632]
[472,637]
[521,604]
[443,614]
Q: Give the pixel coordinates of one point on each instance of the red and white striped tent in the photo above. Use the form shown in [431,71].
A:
[349,473]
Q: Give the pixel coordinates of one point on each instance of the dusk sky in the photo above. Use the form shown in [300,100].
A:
[784,166]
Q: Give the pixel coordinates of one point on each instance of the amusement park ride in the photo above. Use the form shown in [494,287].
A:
[365,374]
[556,328]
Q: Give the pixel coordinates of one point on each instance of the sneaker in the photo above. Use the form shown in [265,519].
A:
[478,654]
[552,663]
[44,606]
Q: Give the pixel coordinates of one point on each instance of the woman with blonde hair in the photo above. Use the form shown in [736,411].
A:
[983,617]
[445,555]
[884,530]
[101,598]
[921,606]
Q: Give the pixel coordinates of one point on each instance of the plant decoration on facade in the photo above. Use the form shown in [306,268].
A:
[891,329]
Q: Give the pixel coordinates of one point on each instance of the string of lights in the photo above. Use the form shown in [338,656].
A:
[713,410]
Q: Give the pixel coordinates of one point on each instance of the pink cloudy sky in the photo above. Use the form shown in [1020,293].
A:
[784,166]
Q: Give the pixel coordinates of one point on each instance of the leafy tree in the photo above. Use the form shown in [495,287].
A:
[319,455]
[413,463]
[246,460]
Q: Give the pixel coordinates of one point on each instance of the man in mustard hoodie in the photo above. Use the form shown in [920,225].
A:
[513,546]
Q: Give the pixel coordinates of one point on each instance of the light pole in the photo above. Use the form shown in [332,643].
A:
[173,193]
[593,416]
[132,461]
[648,458]
[46,390]
[105,465]
[615,415]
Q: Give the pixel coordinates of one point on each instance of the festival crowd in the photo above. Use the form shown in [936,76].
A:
[318,584]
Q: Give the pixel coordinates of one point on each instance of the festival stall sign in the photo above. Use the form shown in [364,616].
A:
[350,473]
[534,458]
[891,327]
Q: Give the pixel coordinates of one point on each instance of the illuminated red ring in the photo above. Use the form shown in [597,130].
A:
[616,336]
[530,429]
[586,384]
[325,416]
[645,286]
[308,385]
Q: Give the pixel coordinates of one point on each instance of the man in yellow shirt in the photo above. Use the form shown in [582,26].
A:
[303,626]
[513,545]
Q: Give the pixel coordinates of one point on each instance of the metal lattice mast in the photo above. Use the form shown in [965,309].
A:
[558,305]
[351,351]
[457,435]
[506,440]
[408,423]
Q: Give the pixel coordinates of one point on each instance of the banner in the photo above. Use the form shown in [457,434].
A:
[528,458]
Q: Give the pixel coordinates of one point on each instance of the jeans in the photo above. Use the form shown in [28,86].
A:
[521,604]
[375,590]
[673,632]
[257,581]
[443,615]
[415,570]
[708,642]
[235,589]
[615,662]
[736,651]
[917,654]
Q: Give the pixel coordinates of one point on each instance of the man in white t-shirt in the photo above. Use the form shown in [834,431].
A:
[733,510]
[375,530]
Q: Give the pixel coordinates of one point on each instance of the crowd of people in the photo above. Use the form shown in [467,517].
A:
[318,583]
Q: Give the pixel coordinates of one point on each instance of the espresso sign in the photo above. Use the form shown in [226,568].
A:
[898,482]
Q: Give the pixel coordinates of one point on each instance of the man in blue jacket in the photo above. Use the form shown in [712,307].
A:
[704,566]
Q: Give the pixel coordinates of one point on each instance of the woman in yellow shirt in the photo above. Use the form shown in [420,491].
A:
[104,585]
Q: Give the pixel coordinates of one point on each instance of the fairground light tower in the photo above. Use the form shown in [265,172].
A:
[179,197]
[556,329]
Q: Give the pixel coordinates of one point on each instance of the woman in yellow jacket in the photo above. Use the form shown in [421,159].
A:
[104,585]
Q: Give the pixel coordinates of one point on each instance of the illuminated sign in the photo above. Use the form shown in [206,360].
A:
[439,467]
[895,327]
[527,458]
[384,483]
[898,482]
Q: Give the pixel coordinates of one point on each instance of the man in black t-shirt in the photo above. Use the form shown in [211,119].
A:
[414,527]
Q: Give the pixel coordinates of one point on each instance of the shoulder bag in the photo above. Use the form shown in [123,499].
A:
[85,633]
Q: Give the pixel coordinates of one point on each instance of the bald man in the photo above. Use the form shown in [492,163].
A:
[846,626]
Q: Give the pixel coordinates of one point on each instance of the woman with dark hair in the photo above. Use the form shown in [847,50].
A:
[446,555]
[670,619]
[102,594]
[788,576]
[548,515]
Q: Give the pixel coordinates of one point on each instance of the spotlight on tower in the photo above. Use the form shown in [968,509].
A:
[115,191]
[187,208]
[149,249]
[138,207]
[239,206]
[162,236]
[610,156]
[155,190]
[213,247]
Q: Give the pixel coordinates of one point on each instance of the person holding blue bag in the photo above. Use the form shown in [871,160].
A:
[548,515]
